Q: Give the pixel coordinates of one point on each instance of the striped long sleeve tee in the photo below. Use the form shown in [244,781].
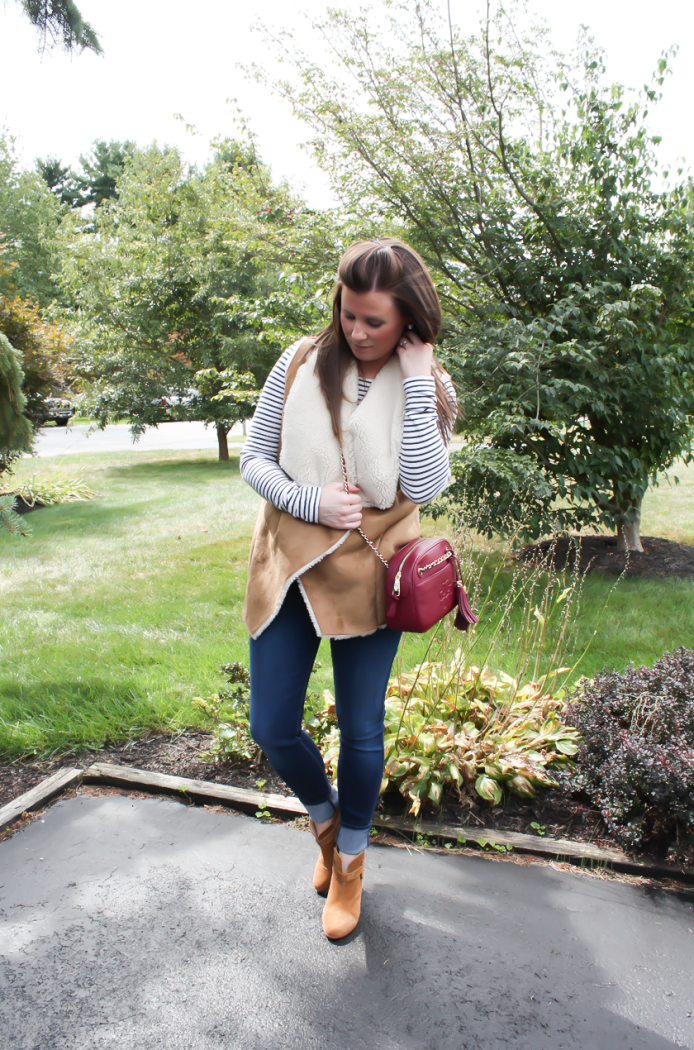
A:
[424,470]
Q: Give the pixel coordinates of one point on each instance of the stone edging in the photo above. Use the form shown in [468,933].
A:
[243,799]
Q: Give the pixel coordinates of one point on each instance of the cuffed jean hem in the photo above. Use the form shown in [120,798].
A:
[353,840]
[324,810]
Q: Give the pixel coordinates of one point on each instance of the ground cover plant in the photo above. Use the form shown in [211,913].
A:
[110,624]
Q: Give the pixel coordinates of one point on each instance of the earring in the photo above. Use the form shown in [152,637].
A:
[409,327]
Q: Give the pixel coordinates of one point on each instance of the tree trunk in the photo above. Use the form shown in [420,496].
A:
[629,532]
[223,444]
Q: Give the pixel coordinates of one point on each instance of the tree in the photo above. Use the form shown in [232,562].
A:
[530,186]
[101,170]
[42,347]
[15,428]
[60,22]
[181,288]
[223,399]
[95,182]
[29,219]
[57,177]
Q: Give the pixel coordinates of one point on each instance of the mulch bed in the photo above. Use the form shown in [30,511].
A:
[663,558]
[20,504]
[181,755]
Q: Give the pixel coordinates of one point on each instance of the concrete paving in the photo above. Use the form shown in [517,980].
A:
[66,441]
[142,923]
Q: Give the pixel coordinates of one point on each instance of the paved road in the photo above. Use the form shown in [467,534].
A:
[59,441]
[142,924]
[65,441]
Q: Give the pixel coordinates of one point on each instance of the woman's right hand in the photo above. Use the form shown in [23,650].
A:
[339,509]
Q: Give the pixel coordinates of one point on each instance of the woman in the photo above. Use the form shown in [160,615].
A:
[364,402]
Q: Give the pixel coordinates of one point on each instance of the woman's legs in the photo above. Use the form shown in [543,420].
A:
[282,659]
[361,668]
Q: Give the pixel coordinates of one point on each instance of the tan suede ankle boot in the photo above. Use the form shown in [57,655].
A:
[343,906]
[324,864]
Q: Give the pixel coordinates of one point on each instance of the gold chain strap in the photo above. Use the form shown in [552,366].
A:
[432,564]
[363,535]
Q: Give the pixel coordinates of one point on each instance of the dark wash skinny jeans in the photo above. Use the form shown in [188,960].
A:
[281,661]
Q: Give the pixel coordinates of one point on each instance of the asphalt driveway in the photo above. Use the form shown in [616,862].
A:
[142,923]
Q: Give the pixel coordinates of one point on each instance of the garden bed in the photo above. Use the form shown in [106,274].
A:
[599,554]
[550,813]
[21,506]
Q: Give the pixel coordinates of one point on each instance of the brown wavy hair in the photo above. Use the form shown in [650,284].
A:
[382,265]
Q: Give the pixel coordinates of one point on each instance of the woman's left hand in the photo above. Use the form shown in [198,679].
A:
[415,356]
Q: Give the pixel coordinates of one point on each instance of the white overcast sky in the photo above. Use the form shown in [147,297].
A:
[163,57]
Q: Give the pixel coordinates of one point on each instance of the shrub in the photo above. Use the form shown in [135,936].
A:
[636,762]
[228,714]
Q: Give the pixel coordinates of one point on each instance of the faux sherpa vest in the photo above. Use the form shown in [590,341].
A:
[340,577]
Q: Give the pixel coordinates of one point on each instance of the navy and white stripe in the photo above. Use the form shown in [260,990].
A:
[424,468]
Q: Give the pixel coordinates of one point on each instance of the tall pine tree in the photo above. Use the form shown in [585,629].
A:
[60,24]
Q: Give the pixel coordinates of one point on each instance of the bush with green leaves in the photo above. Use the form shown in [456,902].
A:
[228,714]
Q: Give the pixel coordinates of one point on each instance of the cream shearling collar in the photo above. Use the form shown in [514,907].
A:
[371,433]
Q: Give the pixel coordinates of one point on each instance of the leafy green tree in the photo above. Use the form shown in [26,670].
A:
[15,428]
[184,282]
[532,188]
[43,351]
[60,23]
[223,399]
[29,218]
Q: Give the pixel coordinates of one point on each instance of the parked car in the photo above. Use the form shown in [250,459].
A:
[176,403]
[58,410]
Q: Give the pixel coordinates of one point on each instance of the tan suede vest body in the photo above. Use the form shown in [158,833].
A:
[341,579]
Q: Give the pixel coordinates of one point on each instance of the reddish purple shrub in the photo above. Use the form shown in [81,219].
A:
[636,762]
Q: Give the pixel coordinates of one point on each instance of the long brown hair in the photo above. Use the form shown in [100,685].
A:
[382,265]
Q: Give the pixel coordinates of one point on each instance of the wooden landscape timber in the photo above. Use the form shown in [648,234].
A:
[39,795]
[583,854]
[207,790]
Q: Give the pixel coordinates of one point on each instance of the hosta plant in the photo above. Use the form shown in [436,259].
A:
[43,492]
[454,725]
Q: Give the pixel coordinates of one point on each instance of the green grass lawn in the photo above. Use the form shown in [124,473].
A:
[115,613]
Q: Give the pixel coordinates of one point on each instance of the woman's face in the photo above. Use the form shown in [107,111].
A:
[372,324]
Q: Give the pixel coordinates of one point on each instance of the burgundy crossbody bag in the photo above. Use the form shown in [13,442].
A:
[423,583]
